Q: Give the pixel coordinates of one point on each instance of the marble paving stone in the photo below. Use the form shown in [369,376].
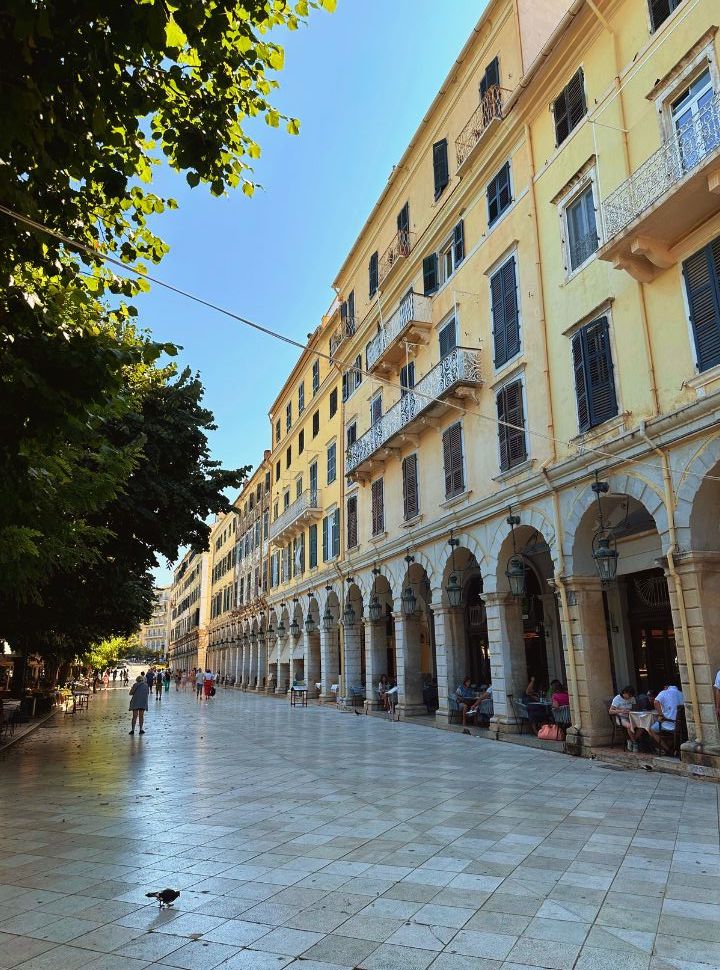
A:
[388,957]
[343,950]
[287,942]
[199,955]
[474,943]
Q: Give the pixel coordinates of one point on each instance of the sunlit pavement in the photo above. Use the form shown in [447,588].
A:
[309,838]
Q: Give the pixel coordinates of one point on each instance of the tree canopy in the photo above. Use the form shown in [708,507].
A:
[104,459]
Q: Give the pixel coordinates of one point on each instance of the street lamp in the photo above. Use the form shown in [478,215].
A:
[408,599]
[349,614]
[516,568]
[294,625]
[327,620]
[604,550]
[281,631]
[453,587]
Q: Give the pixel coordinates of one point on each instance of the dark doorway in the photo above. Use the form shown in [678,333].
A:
[652,631]
[477,660]
[534,631]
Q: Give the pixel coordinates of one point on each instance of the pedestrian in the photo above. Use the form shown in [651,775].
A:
[166,680]
[158,686]
[178,680]
[139,693]
[208,682]
[150,678]
[126,677]
[114,675]
[106,680]
[199,681]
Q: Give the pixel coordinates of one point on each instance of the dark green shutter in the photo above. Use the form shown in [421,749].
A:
[511,426]
[373,274]
[459,242]
[581,394]
[403,219]
[440,166]
[569,107]
[430,274]
[313,535]
[491,78]
[326,522]
[599,371]
[336,533]
[702,282]
[506,322]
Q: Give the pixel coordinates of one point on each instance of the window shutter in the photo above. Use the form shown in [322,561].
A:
[358,371]
[459,243]
[702,282]
[491,78]
[326,524]
[373,274]
[336,533]
[350,321]
[313,535]
[583,408]
[315,423]
[352,523]
[430,274]
[576,99]
[411,505]
[403,219]
[659,12]
[599,370]
[453,460]
[506,323]
[440,166]
[511,427]
[448,338]
[378,516]
[343,314]
[345,391]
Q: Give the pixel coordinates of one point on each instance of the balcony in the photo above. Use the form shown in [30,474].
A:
[345,330]
[675,190]
[403,241]
[457,376]
[487,113]
[306,508]
[411,321]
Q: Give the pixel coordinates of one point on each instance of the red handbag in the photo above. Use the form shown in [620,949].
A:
[550,732]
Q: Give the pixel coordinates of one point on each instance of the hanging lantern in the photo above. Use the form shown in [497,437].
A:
[516,566]
[294,628]
[408,601]
[453,587]
[349,614]
[281,631]
[253,638]
[327,620]
[375,609]
[309,623]
[261,638]
[604,551]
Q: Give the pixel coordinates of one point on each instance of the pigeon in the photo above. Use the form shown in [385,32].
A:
[166,897]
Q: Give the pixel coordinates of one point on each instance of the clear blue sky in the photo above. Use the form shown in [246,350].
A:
[360,80]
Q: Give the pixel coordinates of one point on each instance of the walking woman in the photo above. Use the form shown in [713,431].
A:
[139,693]
[166,680]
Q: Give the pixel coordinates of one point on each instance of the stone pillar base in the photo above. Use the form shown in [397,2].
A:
[410,710]
[499,726]
[327,698]
[442,717]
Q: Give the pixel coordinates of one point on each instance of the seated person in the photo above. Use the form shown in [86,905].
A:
[532,692]
[465,697]
[383,687]
[619,707]
[560,696]
[666,705]
[480,709]
[646,701]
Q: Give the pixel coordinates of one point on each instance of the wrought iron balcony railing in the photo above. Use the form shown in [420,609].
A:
[402,243]
[345,330]
[413,308]
[306,506]
[658,175]
[460,367]
[490,109]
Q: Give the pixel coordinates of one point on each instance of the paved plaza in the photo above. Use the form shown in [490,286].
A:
[312,839]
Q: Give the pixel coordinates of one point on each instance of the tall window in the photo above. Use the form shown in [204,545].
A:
[441,174]
[505,316]
[352,522]
[333,402]
[694,119]
[298,486]
[407,378]
[351,434]
[331,463]
[301,442]
[301,397]
[377,499]
[702,283]
[314,483]
[491,77]
[288,415]
[439,267]
[277,471]
[312,546]
[315,376]
[660,10]
[316,424]
[277,430]
[376,409]
[331,535]
[499,194]
[453,460]
[288,456]
[569,108]
[411,499]
[511,425]
[594,379]
[581,228]
[448,338]
[373,274]
[403,223]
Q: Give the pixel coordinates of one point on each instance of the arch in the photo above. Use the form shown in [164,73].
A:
[533,518]
[694,485]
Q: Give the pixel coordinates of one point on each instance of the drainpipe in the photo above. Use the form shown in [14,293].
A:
[677,581]
[559,579]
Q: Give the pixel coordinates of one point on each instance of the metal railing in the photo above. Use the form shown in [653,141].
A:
[413,307]
[459,367]
[401,244]
[345,330]
[307,500]
[489,109]
[685,151]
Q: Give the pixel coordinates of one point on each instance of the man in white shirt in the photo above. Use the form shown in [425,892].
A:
[666,705]
[199,681]
[716,693]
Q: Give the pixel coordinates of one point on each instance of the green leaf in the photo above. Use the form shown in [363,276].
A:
[174,36]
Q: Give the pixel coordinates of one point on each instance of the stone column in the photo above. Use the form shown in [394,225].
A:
[262,672]
[252,666]
[408,652]
[352,661]
[506,645]
[699,573]
[449,654]
[311,671]
[329,672]
[375,658]
[592,660]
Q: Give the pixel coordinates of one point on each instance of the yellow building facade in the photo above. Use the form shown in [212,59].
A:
[498,455]
[189,610]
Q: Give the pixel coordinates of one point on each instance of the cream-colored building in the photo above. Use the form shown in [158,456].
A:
[532,308]
[189,611]
[155,634]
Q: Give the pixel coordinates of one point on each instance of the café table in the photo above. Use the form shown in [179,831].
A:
[298,693]
[642,719]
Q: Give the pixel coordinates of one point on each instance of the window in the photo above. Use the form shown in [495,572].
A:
[407,378]
[301,442]
[440,166]
[448,338]
[288,415]
[505,316]
[266,523]
[298,487]
[430,274]
[702,283]
[331,535]
[439,267]
[491,78]
[569,107]
[411,498]
[277,430]
[453,460]
[694,121]
[312,546]
[373,275]
[378,507]
[352,522]
[316,376]
[267,482]
[403,223]
[288,456]
[581,228]
[511,425]
[499,194]
[660,10]
[358,371]
[277,471]
[286,499]
[333,402]
[314,484]
[347,315]
[315,424]
[594,380]
[351,434]
[331,463]
[376,409]
[301,397]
